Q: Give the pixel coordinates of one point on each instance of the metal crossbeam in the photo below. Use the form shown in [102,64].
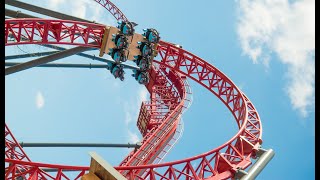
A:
[43,11]
[44,60]
[125,66]
[64,65]
[23,144]
[93,57]
[19,56]
[53,57]
[17,14]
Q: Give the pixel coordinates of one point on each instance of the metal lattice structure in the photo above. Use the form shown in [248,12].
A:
[169,97]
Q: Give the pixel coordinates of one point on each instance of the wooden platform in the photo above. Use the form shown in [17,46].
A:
[101,170]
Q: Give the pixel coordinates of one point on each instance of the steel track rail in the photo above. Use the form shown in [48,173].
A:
[171,132]
[223,161]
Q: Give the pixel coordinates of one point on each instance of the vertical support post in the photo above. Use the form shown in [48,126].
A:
[260,164]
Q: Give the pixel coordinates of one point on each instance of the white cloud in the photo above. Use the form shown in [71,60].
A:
[287,29]
[128,113]
[132,107]
[115,83]
[75,9]
[39,100]
[92,11]
[53,4]
[131,110]
[79,9]
[133,137]
[85,9]
[143,94]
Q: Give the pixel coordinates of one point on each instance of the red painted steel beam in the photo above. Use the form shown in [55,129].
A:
[223,161]
[34,170]
[220,162]
[153,141]
[27,33]
[44,31]
[14,151]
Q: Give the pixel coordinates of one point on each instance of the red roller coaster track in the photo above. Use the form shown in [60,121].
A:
[168,94]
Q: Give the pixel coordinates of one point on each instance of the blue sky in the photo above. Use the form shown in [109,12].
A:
[265,47]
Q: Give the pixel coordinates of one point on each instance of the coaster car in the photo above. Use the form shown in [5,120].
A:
[141,77]
[126,28]
[146,48]
[118,55]
[117,71]
[151,35]
[120,41]
[144,63]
